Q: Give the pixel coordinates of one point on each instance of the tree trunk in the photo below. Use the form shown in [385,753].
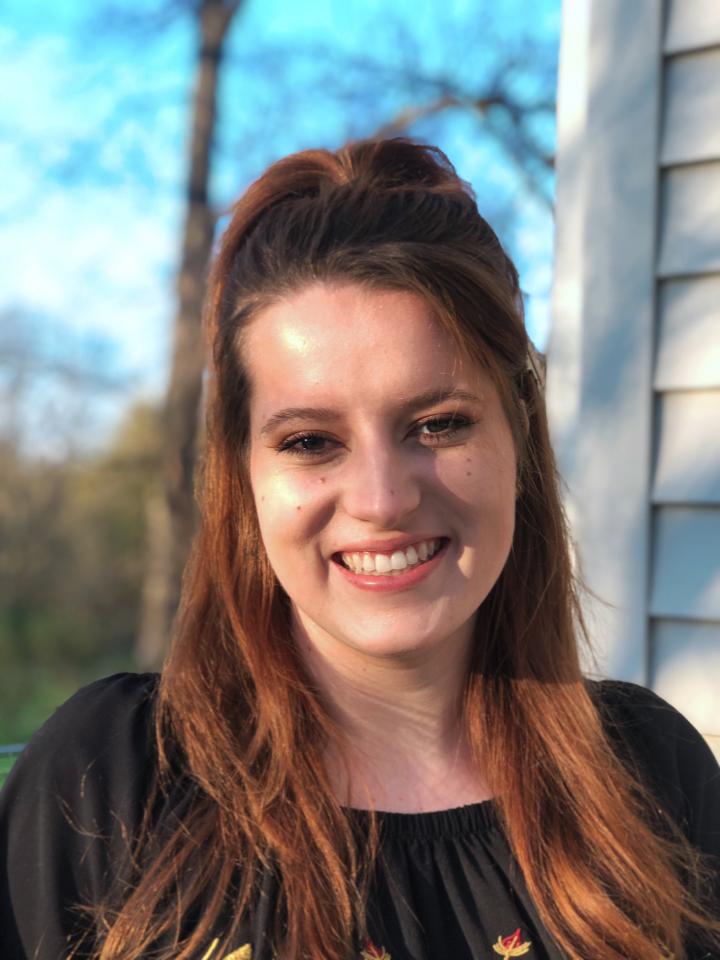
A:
[168,552]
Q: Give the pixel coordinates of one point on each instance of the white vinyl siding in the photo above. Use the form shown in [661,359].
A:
[686,564]
[688,452]
[692,97]
[684,668]
[688,334]
[690,220]
[692,25]
[634,354]
[684,598]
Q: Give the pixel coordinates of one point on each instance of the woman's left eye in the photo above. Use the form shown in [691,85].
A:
[441,429]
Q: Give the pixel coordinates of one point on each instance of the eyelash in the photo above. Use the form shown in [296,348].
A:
[456,424]
[289,445]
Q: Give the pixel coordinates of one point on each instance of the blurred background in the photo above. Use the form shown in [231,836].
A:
[127,130]
[590,134]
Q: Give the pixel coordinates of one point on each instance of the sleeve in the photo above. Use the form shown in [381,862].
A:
[72,800]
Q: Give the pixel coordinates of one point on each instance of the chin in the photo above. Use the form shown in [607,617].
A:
[388,637]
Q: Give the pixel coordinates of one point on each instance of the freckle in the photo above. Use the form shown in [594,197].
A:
[468,474]
[298,507]
[392,493]
[322,479]
[468,460]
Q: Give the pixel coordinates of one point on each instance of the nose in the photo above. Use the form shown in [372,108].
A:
[381,485]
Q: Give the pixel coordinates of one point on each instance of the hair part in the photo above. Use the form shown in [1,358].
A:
[239,718]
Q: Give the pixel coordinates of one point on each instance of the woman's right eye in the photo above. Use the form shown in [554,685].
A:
[306,445]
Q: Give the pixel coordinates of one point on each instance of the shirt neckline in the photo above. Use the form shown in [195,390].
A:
[472,818]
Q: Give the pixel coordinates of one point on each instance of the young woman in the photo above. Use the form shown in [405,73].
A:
[372,737]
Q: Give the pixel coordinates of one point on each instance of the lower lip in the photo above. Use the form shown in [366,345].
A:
[390,583]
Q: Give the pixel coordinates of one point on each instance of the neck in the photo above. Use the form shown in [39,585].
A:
[401,719]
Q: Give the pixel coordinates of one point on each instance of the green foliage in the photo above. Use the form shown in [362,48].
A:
[6,762]
[71,569]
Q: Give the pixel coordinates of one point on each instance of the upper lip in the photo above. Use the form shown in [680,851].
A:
[387,546]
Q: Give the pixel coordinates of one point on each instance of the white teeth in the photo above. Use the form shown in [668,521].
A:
[398,560]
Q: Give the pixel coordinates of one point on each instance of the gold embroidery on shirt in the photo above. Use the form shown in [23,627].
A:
[242,953]
[371,952]
[210,950]
[512,946]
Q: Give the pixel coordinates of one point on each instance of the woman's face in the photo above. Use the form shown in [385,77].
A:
[382,466]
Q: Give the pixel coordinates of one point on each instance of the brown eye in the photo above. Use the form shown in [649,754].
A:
[442,428]
[306,445]
[438,425]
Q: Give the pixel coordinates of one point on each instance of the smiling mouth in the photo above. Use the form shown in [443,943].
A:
[391,564]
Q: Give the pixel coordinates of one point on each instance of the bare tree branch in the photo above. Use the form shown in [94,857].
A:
[174,530]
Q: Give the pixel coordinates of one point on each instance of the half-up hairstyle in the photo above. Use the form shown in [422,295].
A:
[236,714]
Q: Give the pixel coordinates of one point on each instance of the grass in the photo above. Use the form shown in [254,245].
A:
[30,693]
[6,762]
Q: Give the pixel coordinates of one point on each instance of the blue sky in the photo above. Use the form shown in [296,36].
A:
[92,157]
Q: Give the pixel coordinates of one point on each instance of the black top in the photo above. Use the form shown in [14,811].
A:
[445,886]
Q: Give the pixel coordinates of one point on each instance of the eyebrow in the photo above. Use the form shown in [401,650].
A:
[327,414]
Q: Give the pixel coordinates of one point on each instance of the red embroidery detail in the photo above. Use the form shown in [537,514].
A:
[371,952]
[512,946]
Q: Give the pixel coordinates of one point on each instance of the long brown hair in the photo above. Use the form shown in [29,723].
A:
[238,721]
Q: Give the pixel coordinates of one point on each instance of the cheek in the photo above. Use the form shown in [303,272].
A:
[484,480]
[279,510]
[289,506]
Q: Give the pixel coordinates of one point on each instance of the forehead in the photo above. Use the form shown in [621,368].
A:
[329,338]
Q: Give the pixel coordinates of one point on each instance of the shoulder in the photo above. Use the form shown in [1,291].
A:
[666,753]
[122,702]
[69,809]
[97,737]
[101,714]
[648,725]
[96,750]
[629,707]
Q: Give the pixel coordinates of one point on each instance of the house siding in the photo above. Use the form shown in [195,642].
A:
[634,352]
[691,25]
[688,345]
[684,597]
